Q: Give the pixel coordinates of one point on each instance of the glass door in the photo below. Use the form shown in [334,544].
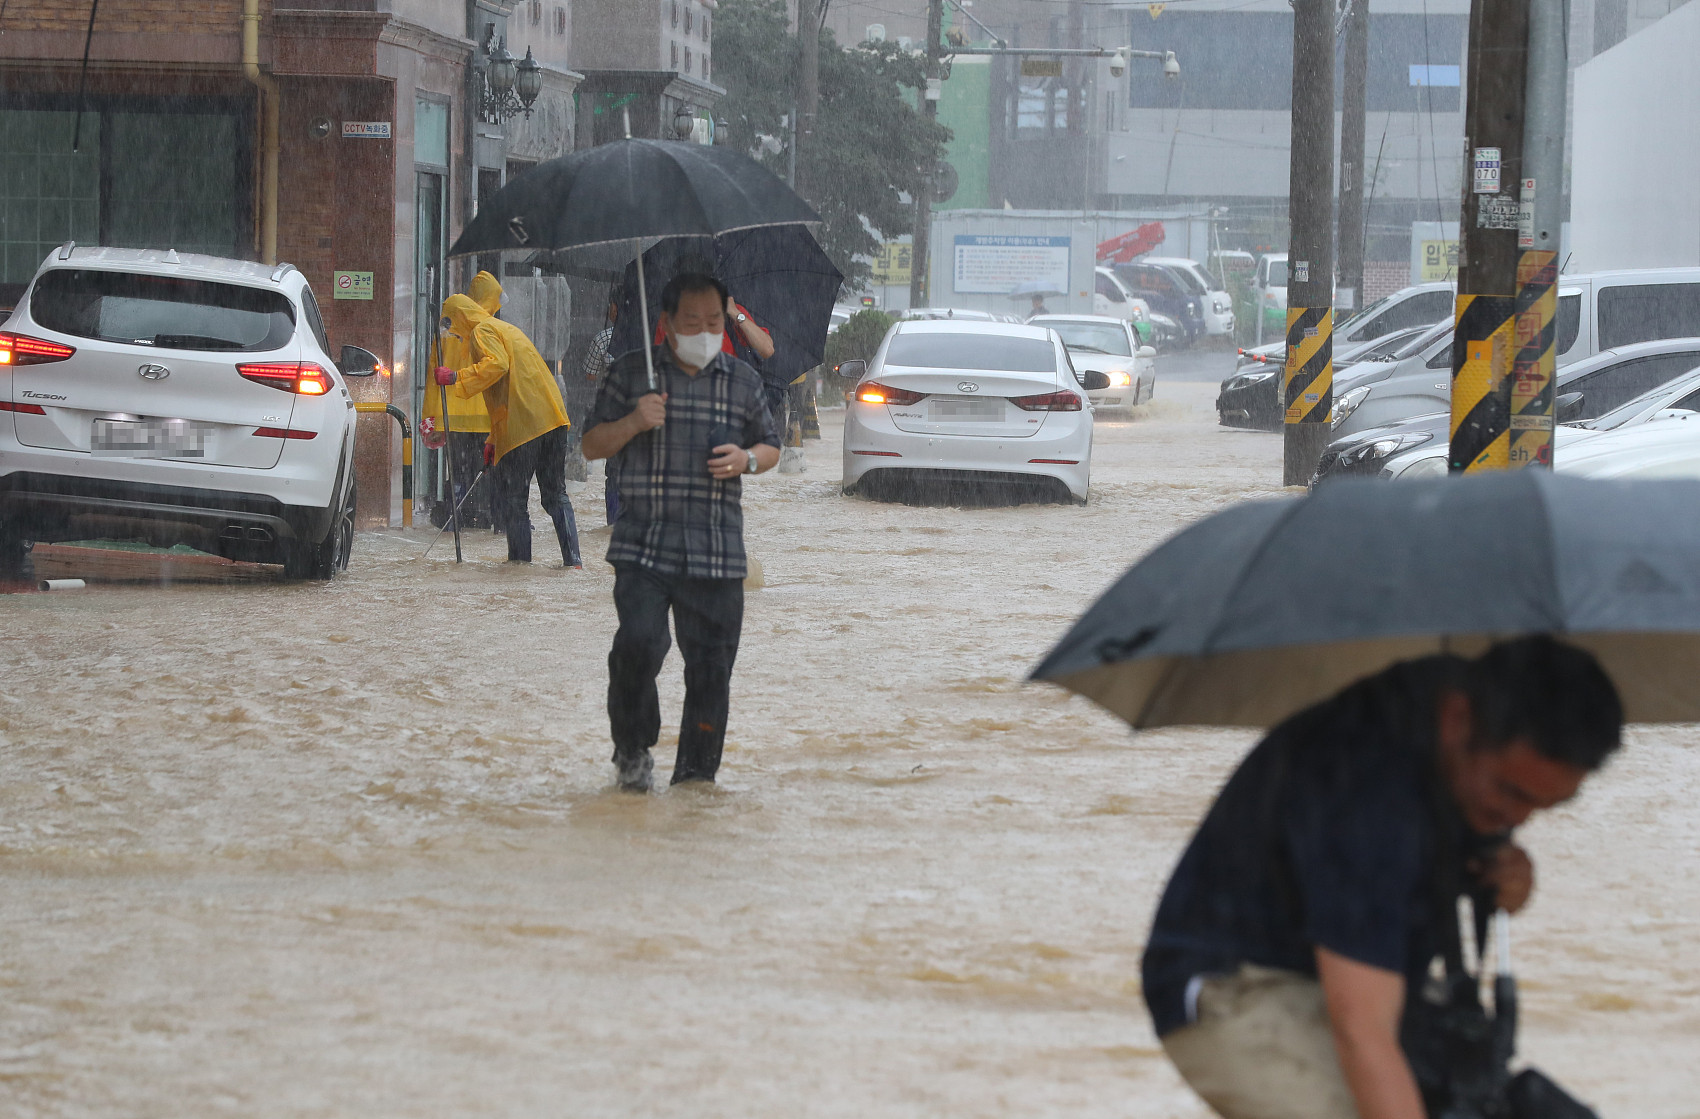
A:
[429,286]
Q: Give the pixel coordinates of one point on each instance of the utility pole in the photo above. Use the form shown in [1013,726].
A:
[1484,339]
[1309,377]
[808,80]
[918,253]
[1540,209]
[1352,183]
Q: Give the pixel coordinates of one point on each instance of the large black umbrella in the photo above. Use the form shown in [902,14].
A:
[1260,610]
[780,274]
[634,191]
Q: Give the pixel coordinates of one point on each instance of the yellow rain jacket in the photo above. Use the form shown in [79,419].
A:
[466,413]
[518,385]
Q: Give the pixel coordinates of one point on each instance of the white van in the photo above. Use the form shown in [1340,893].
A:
[1217,305]
[1605,310]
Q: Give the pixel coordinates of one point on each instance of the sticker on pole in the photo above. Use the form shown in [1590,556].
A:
[1526,215]
[1487,165]
[1498,211]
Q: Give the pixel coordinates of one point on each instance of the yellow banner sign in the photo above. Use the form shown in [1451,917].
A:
[891,264]
[1440,261]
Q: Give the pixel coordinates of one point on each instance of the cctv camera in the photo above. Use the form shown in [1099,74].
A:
[1171,65]
[1118,64]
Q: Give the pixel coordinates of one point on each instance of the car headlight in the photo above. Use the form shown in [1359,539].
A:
[1385,447]
[1429,466]
[1216,307]
[1119,378]
[1255,378]
[1347,404]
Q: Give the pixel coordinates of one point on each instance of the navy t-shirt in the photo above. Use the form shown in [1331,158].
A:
[1325,835]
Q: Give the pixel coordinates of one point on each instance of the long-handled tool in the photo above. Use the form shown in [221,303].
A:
[453,513]
[443,399]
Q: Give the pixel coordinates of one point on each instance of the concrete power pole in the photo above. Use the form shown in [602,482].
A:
[1484,340]
[1309,378]
[919,254]
[808,83]
[1540,211]
[1352,182]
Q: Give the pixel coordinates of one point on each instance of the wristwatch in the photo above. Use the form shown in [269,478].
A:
[750,467]
[740,318]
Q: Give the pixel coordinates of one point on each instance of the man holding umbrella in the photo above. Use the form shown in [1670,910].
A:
[680,444]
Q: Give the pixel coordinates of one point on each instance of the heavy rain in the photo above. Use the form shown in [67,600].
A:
[1126,506]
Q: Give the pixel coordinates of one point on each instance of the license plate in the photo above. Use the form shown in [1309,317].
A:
[149,438]
[960,408]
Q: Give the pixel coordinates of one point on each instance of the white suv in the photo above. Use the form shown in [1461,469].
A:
[176,399]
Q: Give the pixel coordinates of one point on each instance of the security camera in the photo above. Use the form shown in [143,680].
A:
[1118,63]
[1171,65]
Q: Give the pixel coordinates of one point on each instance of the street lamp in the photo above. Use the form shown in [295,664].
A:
[501,85]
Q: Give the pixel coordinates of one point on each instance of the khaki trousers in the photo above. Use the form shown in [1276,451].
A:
[1262,1048]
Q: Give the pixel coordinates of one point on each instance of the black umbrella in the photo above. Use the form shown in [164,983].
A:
[635,191]
[780,274]
[1260,610]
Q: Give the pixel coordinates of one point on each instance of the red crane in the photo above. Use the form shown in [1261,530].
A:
[1121,250]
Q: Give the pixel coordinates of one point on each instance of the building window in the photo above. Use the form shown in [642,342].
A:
[430,132]
[705,27]
[687,17]
[675,13]
[560,20]
[673,61]
[687,60]
[536,12]
[705,68]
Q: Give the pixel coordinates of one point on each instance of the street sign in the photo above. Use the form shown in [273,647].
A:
[891,264]
[1041,68]
[365,130]
[1486,171]
[351,285]
[991,264]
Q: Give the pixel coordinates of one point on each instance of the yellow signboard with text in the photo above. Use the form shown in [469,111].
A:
[891,264]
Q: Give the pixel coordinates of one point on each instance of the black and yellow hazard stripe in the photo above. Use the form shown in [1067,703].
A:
[1483,342]
[1309,377]
[1531,398]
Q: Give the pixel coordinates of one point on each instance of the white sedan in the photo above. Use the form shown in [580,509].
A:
[1109,346]
[996,404]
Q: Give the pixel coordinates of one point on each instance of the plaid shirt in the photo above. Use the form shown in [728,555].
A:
[676,518]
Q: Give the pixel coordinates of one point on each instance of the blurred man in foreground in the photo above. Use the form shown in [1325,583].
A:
[1312,901]
[528,423]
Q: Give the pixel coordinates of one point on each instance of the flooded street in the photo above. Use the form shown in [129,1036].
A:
[353,850]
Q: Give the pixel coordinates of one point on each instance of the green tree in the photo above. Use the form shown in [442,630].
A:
[870,145]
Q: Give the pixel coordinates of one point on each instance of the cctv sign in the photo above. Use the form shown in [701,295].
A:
[365,130]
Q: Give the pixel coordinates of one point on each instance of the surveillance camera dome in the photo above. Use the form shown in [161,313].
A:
[1171,65]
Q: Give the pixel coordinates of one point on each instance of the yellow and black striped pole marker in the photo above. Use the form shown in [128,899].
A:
[1532,372]
[1483,342]
[1309,378]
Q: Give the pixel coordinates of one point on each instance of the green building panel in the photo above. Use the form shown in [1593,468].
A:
[965,108]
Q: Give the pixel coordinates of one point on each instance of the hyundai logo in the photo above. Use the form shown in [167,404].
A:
[967,386]
[154,372]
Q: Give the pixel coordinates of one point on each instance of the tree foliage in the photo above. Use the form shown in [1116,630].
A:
[869,145]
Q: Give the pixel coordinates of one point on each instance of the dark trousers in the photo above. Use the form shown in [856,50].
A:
[544,458]
[708,615]
[466,448]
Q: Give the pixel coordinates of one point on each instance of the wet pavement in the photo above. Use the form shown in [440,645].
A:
[351,849]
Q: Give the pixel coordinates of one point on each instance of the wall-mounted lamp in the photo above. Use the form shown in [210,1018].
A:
[504,86]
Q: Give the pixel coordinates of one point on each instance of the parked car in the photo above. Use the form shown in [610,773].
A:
[1215,304]
[1420,305]
[948,314]
[176,399]
[1251,397]
[994,404]
[1112,298]
[1669,448]
[1607,376]
[1625,308]
[1108,346]
[1167,294]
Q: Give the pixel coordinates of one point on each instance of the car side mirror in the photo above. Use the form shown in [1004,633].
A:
[852,370]
[1569,407]
[1148,351]
[1092,380]
[356,362]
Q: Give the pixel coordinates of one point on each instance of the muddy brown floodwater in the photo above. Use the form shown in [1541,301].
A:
[351,850]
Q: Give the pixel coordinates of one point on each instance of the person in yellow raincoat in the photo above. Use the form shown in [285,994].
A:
[528,423]
[469,421]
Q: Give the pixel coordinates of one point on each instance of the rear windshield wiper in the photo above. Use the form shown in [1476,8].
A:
[196,342]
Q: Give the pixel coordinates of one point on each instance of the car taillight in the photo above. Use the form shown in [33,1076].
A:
[875,393]
[291,376]
[1047,402]
[282,433]
[27,409]
[21,349]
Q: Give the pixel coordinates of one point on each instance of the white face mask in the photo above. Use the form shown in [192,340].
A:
[696,350]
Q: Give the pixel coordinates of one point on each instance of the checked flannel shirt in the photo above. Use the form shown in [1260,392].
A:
[675,518]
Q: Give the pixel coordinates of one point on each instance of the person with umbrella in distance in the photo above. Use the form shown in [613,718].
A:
[528,423]
[1301,922]
[680,440]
